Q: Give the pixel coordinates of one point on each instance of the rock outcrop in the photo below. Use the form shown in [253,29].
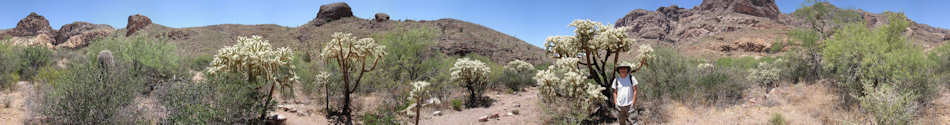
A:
[379,17]
[646,24]
[331,12]
[79,34]
[34,24]
[672,23]
[761,8]
[946,37]
[136,23]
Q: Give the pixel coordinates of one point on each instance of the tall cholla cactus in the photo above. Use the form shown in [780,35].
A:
[596,47]
[473,75]
[566,84]
[254,57]
[352,55]
[766,74]
[418,93]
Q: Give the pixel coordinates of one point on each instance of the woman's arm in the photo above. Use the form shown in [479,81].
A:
[634,95]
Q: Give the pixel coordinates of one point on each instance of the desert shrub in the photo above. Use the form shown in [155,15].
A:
[410,57]
[149,56]
[457,104]
[86,93]
[777,119]
[744,62]
[379,118]
[856,55]
[687,79]
[32,59]
[8,65]
[888,105]
[220,99]
[803,63]
[517,75]
[473,75]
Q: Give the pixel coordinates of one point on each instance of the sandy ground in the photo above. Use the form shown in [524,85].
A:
[16,112]
[527,104]
[800,104]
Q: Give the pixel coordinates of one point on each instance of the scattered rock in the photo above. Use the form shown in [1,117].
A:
[34,24]
[487,117]
[177,35]
[380,17]
[437,113]
[331,12]
[760,8]
[136,23]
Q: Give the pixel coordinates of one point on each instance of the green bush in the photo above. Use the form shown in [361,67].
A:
[457,104]
[8,65]
[517,74]
[681,78]
[32,58]
[777,119]
[802,63]
[856,55]
[88,94]
[149,56]
[888,105]
[221,99]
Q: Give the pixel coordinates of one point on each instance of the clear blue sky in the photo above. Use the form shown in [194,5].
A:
[529,20]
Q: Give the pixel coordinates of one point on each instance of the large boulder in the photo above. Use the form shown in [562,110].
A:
[136,23]
[761,8]
[380,17]
[331,12]
[32,25]
[78,34]
[946,37]
[645,24]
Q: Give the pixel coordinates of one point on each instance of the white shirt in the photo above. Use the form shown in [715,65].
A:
[624,87]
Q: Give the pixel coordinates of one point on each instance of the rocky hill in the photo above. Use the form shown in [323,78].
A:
[457,37]
[740,27]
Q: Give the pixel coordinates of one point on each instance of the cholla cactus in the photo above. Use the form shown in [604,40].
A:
[704,66]
[254,57]
[590,38]
[766,74]
[567,84]
[349,49]
[472,74]
[352,55]
[519,66]
[418,93]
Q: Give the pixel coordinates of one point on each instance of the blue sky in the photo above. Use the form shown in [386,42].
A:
[529,20]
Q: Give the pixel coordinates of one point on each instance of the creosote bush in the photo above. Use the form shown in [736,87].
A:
[856,55]
[8,65]
[90,94]
[32,59]
[888,105]
[517,75]
[225,98]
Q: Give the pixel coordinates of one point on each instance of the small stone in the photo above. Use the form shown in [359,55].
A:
[437,113]
[485,118]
